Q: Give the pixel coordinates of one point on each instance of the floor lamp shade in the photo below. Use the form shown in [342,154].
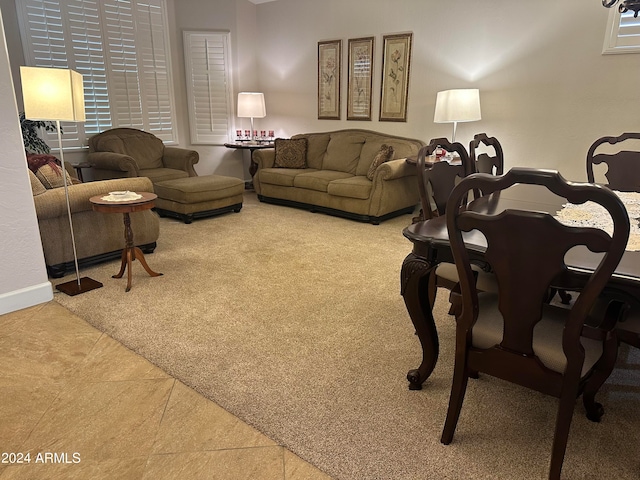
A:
[460,105]
[52,94]
[57,95]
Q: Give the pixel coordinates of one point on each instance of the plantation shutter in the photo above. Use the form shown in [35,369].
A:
[209,92]
[623,33]
[121,49]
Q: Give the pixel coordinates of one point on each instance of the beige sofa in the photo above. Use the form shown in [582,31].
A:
[99,236]
[335,178]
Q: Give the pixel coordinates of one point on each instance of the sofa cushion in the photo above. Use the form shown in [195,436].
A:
[316,148]
[384,155]
[291,153]
[162,174]
[343,152]
[37,188]
[146,150]
[281,176]
[51,177]
[352,187]
[318,180]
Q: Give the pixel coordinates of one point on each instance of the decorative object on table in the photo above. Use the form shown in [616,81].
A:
[396,62]
[55,94]
[625,5]
[329,69]
[360,78]
[454,106]
[251,105]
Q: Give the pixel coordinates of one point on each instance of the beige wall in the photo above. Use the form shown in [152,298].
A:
[546,90]
[23,281]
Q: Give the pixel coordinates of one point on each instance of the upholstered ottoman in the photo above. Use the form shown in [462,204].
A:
[197,197]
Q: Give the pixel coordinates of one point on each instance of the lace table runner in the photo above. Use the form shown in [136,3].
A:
[121,196]
[590,214]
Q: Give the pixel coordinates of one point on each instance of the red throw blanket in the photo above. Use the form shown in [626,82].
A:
[37,160]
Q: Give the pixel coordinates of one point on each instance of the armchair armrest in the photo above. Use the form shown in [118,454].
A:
[181,159]
[397,168]
[117,162]
[52,203]
[265,158]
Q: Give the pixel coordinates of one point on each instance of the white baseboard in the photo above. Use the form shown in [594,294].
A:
[26,297]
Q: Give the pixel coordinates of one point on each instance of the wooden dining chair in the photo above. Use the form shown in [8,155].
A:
[483,162]
[623,167]
[515,334]
[436,180]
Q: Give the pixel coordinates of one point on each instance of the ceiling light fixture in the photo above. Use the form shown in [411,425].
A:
[625,5]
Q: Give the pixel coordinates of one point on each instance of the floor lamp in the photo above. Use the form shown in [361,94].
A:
[251,104]
[55,95]
[461,105]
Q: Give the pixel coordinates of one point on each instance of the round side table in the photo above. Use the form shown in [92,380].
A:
[130,251]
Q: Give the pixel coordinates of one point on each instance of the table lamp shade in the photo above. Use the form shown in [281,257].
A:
[461,105]
[52,94]
[251,105]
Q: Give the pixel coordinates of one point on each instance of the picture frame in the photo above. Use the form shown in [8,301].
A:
[329,70]
[396,65]
[360,78]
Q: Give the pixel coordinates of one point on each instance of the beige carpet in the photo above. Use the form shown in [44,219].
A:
[294,322]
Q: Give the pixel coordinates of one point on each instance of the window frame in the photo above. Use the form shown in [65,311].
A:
[612,35]
[151,33]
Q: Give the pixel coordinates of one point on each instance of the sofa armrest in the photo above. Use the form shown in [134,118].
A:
[181,159]
[117,162]
[395,169]
[52,203]
[265,158]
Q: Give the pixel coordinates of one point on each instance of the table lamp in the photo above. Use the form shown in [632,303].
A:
[251,105]
[57,94]
[461,105]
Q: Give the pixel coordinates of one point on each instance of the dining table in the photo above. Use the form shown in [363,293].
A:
[431,247]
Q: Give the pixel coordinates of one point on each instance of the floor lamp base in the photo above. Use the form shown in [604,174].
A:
[72,288]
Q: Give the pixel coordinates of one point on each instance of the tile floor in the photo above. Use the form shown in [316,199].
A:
[68,389]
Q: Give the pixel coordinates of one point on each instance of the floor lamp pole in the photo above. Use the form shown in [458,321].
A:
[84,284]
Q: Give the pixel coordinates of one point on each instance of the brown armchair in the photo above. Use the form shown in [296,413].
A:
[127,152]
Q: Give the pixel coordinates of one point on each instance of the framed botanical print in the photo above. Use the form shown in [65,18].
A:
[329,61]
[396,56]
[360,78]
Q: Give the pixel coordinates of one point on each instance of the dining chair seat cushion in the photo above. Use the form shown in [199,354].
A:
[547,334]
[486,282]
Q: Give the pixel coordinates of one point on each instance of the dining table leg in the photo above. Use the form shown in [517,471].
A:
[414,281]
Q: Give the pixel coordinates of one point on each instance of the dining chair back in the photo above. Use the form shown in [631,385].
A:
[515,334]
[483,162]
[623,167]
[437,179]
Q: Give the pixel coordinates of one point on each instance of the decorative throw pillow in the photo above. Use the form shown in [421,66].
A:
[291,153]
[51,177]
[384,155]
[37,187]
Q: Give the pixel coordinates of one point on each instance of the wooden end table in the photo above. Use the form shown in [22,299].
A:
[130,251]
[252,147]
